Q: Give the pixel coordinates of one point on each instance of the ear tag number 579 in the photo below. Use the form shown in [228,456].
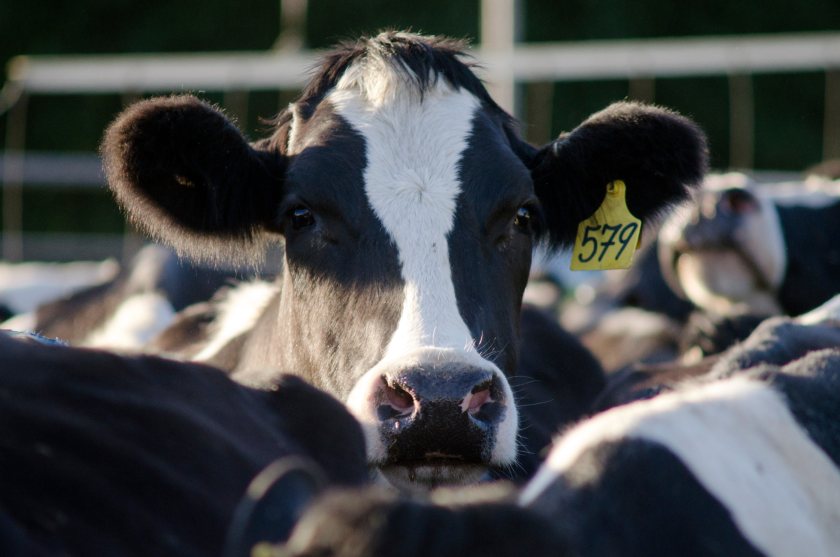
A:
[609,238]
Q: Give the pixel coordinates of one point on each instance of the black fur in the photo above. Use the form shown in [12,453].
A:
[776,341]
[635,498]
[109,455]
[422,60]
[555,385]
[656,152]
[185,175]
[712,334]
[376,522]
[811,386]
[812,273]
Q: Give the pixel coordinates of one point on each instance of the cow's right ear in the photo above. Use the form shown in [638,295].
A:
[185,175]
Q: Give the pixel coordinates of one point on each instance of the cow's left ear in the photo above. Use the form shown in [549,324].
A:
[185,175]
[658,153]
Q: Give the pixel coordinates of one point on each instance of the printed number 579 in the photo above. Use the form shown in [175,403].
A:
[604,237]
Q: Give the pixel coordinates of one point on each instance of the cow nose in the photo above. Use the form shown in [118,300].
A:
[440,412]
[472,391]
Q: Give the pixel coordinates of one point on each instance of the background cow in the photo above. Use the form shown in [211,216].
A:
[754,248]
[745,461]
[24,286]
[408,207]
[131,307]
[109,455]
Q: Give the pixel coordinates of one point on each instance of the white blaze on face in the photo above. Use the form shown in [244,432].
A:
[413,150]
[411,180]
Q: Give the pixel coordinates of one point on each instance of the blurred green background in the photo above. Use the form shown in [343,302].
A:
[788,108]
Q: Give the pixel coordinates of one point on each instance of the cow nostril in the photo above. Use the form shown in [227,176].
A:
[399,399]
[478,397]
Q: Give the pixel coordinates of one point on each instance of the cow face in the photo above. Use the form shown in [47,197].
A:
[409,209]
[725,252]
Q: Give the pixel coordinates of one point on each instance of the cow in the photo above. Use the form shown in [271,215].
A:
[408,207]
[103,454]
[742,464]
[25,286]
[450,522]
[775,340]
[742,461]
[132,307]
[755,248]
[717,269]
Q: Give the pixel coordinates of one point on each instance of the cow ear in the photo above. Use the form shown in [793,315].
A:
[274,502]
[658,153]
[185,175]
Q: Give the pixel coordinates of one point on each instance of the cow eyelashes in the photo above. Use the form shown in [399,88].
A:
[301,217]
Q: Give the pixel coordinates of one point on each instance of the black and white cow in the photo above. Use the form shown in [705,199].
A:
[745,461]
[108,455]
[132,307]
[478,520]
[746,247]
[746,465]
[776,341]
[408,207]
[26,285]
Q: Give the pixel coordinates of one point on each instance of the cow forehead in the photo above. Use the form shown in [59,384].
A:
[413,149]
[414,144]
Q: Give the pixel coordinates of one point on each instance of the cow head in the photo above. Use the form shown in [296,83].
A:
[725,252]
[409,207]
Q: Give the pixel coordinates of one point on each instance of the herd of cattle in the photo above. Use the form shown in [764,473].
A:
[380,388]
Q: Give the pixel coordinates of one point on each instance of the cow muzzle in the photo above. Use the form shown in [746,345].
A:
[436,422]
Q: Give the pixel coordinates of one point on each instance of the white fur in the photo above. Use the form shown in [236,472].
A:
[827,313]
[720,280]
[740,441]
[411,180]
[815,192]
[727,180]
[22,322]
[762,236]
[24,286]
[413,149]
[238,313]
[135,322]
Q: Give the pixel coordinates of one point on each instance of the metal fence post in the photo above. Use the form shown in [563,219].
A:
[13,181]
[500,29]
[831,117]
[741,121]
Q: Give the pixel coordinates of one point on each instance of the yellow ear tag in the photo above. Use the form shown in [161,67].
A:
[609,238]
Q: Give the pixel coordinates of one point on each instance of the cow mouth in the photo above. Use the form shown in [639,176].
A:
[436,470]
[723,246]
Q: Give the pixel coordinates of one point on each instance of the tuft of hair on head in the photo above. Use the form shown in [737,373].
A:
[393,62]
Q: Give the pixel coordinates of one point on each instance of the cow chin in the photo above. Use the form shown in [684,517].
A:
[425,476]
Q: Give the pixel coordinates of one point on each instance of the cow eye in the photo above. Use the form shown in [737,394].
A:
[302,217]
[523,218]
